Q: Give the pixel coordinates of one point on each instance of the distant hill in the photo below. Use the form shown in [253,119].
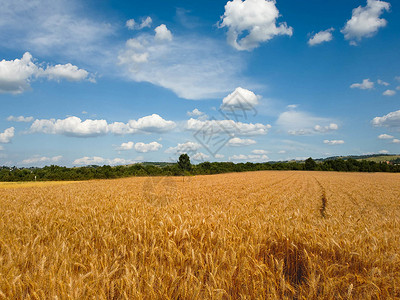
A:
[372,157]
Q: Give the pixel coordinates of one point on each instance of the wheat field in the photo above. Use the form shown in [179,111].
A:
[256,235]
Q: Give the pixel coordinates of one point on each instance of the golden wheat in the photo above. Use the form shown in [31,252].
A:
[258,235]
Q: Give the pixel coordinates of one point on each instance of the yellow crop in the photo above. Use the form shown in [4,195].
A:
[257,235]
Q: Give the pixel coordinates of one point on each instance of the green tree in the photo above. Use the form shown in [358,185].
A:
[310,164]
[184,162]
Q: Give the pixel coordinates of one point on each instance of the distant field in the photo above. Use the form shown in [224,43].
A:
[256,235]
[33,184]
[379,159]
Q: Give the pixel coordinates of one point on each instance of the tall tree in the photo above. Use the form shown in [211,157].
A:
[184,162]
[310,164]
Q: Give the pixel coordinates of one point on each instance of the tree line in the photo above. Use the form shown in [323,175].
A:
[184,167]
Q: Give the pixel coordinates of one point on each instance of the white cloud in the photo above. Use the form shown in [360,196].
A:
[146,23]
[238,157]
[192,67]
[381,82]
[237,142]
[389,93]
[71,126]
[163,33]
[37,159]
[365,21]
[144,148]
[365,85]
[240,99]
[391,120]
[132,25]
[200,156]
[195,113]
[302,123]
[68,72]
[257,18]
[383,152]
[228,127]
[321,37]
[253,158]
[20,119]
[16,75]
[7,135]
[385,136]
[396,141]
[282,152]
[259,152]
[74,126]
[334,142]
[219,156]
[184,148]
[150,124]
[327,128]
[126,146]
[292,106]
[96,160]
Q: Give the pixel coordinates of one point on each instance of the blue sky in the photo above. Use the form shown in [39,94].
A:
[118,82]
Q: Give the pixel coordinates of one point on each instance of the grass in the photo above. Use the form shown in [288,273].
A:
[257,235]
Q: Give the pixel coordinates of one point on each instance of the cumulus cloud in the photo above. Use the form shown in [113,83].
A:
[200,156]
[391,120]
[365,85]
[74,126]
[383,152]
[302,123]
[20,119]
[396,141]
[16,75]
[240,99]
[192,67]
[219,156]
[71,126]
[255,19]
[228,127]
[126,146]
[184,148]
[365,21]
[251,157]
[389,93]
[68,72]
[132,25]
[334,142]
[327,128]
[163,33]
[195,113]
[381,82]
[152,123]
[321,37]
[38,159]
[237,142]
[385,136]
[7,135]
[97,160]
[144,148]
